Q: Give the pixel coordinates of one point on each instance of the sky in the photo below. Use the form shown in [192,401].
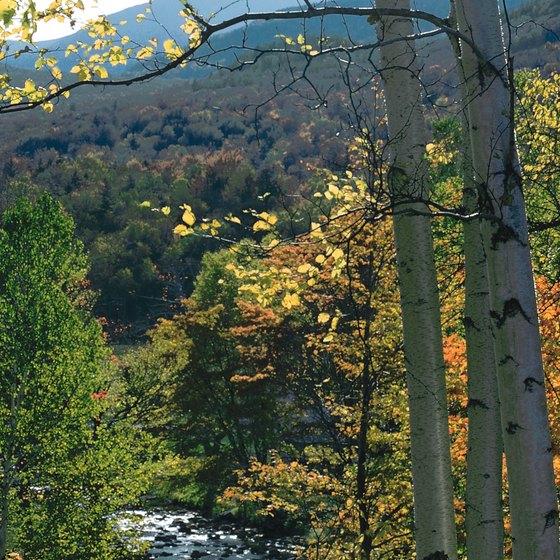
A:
[52,30]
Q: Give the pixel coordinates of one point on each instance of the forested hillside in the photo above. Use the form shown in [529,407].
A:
[162,22]
[105,157]
[537,35]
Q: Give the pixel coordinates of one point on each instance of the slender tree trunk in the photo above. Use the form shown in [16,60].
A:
[430,452]
[524,419]
[484,508]
[361,475]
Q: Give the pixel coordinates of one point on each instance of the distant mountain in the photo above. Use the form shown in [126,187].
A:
[164,22]
[537,35]
[164,18]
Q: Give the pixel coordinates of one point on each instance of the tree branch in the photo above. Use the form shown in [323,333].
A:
[209,30]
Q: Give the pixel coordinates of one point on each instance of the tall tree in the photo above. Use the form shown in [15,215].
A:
[484,508]
[61,467]
[409,185]
[532,493]
[46,350]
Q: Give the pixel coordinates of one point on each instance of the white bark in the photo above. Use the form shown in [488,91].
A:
[435,532]
[484,508]
[532,492]
[484,521]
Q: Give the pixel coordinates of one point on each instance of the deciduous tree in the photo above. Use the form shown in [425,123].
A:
[62,467]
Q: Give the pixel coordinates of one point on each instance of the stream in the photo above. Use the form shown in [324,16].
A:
[188,535]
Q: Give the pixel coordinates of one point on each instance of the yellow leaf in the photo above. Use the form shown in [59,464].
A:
[269,218]
[323,318]
[290,300]
[146,204]
[315,230]
[304,268]
[172,50]
[337,254]
[166,210]
[188,216]
[101,72]
[183,230]
[145,52]
[261,225]
[334,189]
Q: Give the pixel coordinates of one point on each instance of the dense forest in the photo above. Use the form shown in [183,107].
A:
[219,142]
[203,295]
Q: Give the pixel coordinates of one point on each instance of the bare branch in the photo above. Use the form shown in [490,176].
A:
[443,25]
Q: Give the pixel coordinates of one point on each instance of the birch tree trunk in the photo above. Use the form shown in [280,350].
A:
[524,419]
[434,518]
[484,508]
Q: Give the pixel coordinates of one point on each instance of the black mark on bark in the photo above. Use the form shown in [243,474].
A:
[550,519]
[512,428]
[512,307]
[469,324]
[530,383]
[477,403]
[503,234]
[439,555]
[507,359]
